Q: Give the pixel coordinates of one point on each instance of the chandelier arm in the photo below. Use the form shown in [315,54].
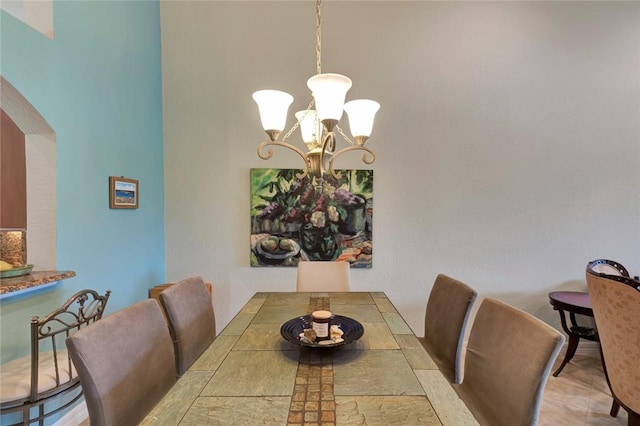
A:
[269,154]
[368,157]
[328,141]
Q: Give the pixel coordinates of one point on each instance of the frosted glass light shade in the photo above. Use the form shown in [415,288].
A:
[273,106]
[361,113]
[308,125]
[329,91]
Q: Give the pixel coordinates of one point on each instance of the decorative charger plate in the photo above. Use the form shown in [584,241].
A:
[16,272]
[351,328]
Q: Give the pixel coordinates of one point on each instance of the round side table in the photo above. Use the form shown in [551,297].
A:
[574,303]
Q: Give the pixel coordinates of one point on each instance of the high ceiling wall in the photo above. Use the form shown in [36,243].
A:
[507,143]
[97,85]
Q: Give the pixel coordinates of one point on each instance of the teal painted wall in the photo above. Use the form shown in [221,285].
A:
[98,84]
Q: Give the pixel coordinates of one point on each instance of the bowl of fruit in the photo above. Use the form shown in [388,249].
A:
[7,270]
[274,250]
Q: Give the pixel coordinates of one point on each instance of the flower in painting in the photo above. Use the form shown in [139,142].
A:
[271,211]
[332,211]
[318,219]
[290,200]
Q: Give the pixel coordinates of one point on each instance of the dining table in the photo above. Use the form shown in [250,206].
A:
[256,372]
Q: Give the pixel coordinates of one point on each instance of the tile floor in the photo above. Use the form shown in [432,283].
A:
[579,396]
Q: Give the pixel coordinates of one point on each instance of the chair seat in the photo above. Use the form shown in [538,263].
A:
[15,376]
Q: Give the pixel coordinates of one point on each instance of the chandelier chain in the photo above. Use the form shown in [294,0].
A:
[318,39]
[346,138]
[297,124]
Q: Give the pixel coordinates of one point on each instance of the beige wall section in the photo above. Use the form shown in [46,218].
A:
[40,150]
[507,143]
[41,201]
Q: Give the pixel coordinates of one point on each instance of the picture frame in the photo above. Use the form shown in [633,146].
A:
[295,219]
[123,193]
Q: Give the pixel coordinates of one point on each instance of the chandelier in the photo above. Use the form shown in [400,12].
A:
[318,126]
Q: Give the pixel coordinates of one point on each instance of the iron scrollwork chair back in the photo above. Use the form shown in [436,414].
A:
[48,335]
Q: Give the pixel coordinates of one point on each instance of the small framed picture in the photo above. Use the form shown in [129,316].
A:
[123,193]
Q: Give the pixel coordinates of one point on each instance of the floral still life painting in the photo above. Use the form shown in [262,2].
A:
[295,219]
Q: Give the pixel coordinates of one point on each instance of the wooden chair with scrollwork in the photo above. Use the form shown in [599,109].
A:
[607,272]
[45,382]
[607,267]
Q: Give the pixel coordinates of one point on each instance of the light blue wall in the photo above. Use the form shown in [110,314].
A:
[98,84]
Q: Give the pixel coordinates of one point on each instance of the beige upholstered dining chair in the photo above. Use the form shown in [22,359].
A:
[192,321]
[448,309]
[323,276]
[46,375]
[126,364]
[608,267]
[509,357]
[616,309]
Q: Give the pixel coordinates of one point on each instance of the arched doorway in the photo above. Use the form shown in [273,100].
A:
[40,158]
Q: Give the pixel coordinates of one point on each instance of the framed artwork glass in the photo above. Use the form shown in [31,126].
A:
[302,219]
[123,193]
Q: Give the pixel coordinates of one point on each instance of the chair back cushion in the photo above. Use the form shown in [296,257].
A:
[509,356]
[448,308]
[125,362]
[323,276]
[191,318]
[616,309]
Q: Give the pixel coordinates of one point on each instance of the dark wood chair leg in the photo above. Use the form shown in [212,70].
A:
[615,408]
[571,350]
[615,405]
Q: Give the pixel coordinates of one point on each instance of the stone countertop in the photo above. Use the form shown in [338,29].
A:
[34,279]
